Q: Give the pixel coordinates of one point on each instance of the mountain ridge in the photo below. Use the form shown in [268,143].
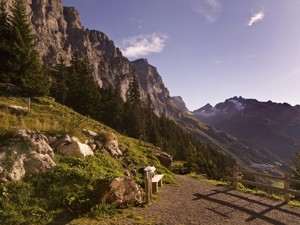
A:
[274,126]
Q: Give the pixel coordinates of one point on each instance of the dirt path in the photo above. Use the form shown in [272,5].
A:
[198,202]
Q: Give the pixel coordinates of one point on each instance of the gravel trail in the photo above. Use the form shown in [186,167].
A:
[198,202]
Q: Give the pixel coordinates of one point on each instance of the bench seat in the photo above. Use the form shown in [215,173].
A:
[156,182]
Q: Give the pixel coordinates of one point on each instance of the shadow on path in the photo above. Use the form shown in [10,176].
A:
[234,205]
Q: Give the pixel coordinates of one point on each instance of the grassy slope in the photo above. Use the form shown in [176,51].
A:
[53,118]
[78,176]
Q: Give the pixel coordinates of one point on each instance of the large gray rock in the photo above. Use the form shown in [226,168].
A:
[37,163]
[17,171]
[29,154]
[76,149]
[35,141]
[122,191]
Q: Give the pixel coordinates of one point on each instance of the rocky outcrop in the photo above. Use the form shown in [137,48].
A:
[29,154]
[61,34]
[122,192]
[112,144]
[105,140]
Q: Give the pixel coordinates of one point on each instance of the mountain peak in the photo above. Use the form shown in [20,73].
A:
[179,103]
[141,60]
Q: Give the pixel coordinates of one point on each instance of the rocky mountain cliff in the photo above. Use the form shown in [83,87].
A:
[273,126]
[60,35]
[179,103]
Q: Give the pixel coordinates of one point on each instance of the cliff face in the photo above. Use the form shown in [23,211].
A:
[152,83]
[60,34]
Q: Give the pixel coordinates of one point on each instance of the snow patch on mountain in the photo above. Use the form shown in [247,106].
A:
[238,105]
[207,114]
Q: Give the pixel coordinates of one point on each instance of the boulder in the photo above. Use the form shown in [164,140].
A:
[30,153]
[35,141]
[164,158]
[37,163]
[17,171]
[122,191]
[76,149]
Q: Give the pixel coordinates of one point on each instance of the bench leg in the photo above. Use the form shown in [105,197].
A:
[155,187]
[160,183]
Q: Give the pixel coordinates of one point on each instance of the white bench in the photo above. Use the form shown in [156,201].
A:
[157,182]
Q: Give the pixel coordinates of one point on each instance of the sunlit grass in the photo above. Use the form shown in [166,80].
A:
[53,119]
[241,187]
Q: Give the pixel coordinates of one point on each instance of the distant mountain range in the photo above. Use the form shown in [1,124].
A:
[273,126]
[60,35]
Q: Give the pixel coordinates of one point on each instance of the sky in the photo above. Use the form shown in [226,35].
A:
[208,50]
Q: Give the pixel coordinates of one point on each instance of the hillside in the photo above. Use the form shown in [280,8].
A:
[73,187]
[273,126]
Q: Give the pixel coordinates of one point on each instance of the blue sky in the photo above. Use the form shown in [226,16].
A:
[208,50]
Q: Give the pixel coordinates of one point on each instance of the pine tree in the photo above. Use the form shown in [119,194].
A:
[134,96]
[134,115]
[28,72]
[112,108]
[6,54]
[83,93]
[59,76]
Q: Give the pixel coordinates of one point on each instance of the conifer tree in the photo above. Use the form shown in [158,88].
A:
[134,96]
[83,94]
[59,76]
[6,55]
[112,107]
[134,116]
[27,69]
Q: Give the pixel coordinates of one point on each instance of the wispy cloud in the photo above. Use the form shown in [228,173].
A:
[209,9]
[143,45]
[256,18]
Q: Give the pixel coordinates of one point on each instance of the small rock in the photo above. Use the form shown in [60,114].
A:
[93,146]
[90,133]
[61,141]
[18,109]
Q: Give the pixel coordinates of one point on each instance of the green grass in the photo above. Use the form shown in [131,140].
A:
[72,189]
[204,178]
[241,187]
